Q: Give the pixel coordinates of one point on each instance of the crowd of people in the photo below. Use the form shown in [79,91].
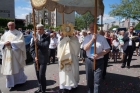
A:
[68,49]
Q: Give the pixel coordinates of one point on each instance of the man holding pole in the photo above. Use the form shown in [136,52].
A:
[94,76]
[42,57]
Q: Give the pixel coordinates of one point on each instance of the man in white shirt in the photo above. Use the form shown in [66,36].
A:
[52,47]
[102,48]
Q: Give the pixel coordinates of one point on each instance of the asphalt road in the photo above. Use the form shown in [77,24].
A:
[0,70]
[118,80]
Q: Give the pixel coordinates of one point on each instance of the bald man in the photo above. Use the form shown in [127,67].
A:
[13,56]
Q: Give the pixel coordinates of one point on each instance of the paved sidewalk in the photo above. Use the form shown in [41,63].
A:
[118,80]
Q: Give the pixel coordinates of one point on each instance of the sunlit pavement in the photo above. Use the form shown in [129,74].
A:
[118,80]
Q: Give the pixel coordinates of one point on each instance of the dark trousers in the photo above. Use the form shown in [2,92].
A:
[41,77]
[94,76]
[106,57]
[82,53]
[128,53]
[52,54]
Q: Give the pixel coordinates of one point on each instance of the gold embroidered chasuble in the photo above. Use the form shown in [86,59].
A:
[14,56]
[68,50]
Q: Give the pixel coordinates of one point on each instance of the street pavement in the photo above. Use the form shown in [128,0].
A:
[118,80]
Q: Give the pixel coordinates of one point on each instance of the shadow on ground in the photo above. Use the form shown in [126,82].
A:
[116,83]
[30,84]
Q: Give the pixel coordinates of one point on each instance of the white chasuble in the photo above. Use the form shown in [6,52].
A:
[14,56]
[68,50]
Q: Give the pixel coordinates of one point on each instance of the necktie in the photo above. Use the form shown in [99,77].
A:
[92,49]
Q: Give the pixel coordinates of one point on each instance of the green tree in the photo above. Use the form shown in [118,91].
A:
[79,22]
[47,26]
[30,26]
[88,18]
[115,26]
[137,27]
[83,21]
[4,21]
[127,9]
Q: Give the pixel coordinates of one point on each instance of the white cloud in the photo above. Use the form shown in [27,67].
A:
[21,16]
[22,8]
[107,19]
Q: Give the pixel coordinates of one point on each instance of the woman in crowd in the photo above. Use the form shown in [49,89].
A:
[115,48]
[120,38]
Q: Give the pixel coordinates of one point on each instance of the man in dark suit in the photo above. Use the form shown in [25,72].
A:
[42,40]
[128,47]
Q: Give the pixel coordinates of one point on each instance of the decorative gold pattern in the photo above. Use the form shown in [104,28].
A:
[66,27]
[68,62]
[9,37]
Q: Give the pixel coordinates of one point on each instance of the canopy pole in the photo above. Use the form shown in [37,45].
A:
[63,18]
[101,22]
[36,51]
[95,31]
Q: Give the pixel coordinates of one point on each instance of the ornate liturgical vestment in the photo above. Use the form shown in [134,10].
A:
[13,57]
[68,50]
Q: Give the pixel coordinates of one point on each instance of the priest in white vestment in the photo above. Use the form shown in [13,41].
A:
[68,50]
[13,51]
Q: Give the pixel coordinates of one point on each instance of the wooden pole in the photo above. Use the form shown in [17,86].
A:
[101,22]
[95,31]
[36,51]
[63,18]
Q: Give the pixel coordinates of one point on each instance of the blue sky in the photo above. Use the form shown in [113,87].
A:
[23,7]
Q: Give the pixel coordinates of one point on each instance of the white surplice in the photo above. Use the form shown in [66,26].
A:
[13,58]
[68,50]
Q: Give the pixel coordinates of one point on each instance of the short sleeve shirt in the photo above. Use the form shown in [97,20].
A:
[101,44]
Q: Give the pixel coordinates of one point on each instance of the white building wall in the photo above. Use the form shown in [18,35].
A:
[106,26]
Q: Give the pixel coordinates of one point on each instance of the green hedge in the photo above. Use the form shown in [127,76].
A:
[4,21]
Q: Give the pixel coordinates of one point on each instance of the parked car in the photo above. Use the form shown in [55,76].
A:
[27,39]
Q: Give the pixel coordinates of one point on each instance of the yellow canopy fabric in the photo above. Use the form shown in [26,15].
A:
[68,6]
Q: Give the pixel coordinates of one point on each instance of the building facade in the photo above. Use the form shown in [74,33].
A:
[123,24]
[7,9]
[50,18]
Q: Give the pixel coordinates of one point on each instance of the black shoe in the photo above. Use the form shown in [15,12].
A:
[37,91]
[128,67]
[65,91]
[122,66]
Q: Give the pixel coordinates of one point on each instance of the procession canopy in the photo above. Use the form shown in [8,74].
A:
[68,6]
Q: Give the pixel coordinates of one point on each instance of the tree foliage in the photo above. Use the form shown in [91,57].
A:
[4,21]
[79,22]
[137,26]
[82,21]
[127,9]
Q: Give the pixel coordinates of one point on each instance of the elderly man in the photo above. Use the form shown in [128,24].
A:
[52,47]
[102,48]
[13,56]
[42,40]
